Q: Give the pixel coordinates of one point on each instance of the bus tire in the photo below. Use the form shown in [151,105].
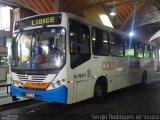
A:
[14,98]
[99,91]
[144,79]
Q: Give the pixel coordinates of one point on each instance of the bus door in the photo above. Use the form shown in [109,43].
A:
[80,58]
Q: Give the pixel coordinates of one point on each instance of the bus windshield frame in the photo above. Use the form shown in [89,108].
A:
[40,49]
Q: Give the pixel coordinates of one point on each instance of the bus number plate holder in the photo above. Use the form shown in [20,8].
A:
[31,95]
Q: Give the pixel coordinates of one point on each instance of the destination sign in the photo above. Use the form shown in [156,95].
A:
[38,21]
[48,20]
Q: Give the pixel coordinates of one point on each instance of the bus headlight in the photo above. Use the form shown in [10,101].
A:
[53,85]
[63,80]
[59,83]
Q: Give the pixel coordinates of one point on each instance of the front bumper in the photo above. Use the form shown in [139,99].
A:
[56,95]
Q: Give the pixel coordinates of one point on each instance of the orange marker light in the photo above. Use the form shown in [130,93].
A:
[69,81]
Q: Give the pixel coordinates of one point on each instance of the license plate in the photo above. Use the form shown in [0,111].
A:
[31,95]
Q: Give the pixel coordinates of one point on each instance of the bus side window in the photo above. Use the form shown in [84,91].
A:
[153,52]
[116,45]
[100,42]
[129,47]
[73,37]
[140,49]
[146,51]
[79,36]
[83,39]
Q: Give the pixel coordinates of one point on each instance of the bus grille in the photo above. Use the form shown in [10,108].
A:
[32,78]
[34,89]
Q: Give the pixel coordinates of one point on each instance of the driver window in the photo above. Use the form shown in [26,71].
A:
[73,38]
[79,36]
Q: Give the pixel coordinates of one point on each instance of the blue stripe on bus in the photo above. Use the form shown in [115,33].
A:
[55,95]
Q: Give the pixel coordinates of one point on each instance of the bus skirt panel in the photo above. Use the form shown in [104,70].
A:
[56,95]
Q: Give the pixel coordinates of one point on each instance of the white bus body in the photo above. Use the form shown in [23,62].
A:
[76,81]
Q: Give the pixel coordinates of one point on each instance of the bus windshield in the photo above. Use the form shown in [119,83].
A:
[39,49]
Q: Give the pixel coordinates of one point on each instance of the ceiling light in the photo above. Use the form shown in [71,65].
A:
[112,13]
[105,20]
[131,34]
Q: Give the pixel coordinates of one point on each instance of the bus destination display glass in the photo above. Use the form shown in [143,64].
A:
[39,21]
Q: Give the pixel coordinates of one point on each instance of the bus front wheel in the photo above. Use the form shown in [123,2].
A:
[99,91]
[14,98]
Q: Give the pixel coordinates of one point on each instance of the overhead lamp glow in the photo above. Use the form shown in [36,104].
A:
[131,34]
[105,20]
[112,13]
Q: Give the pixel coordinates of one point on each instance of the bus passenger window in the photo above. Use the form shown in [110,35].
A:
[79,39]
[79,36]
[129,47]
[140,49]
[73,37]
[117,45]
[100,42]
[146,51]
[153,52]
[83,39]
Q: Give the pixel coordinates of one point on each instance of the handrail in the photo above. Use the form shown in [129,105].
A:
[6,85]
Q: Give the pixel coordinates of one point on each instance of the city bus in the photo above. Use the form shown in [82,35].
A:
[64,58]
